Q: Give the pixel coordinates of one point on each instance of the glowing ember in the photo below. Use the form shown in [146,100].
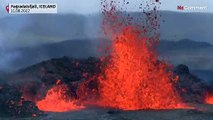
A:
[209,99]
[55,101]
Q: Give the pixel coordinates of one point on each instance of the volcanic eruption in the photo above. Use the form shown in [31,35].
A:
[134,78]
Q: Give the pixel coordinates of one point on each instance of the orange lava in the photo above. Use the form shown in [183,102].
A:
[209,99]
[135,79]
[56,102]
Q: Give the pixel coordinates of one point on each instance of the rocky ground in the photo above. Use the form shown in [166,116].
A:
[205,112]
[97,114]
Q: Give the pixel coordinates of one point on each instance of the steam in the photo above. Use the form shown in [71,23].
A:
[7,58]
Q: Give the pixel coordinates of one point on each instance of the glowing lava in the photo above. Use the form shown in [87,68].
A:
[55,101]
[209,99]
[134,78]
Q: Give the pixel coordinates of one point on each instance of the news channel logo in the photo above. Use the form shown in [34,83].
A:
[191,8]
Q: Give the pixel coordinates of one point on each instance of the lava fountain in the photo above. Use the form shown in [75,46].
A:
[134,78]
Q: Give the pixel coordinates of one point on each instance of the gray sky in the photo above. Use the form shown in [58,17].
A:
[93,6]
[24,30]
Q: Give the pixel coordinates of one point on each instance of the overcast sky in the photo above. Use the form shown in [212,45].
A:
[8,35]
[93,6]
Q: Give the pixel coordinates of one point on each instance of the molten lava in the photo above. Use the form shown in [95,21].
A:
[134,78]
[209,98]
[56,101]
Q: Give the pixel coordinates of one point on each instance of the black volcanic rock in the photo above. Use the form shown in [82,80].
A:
[64,69]
[12,103]
[190,87]
[182,69]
